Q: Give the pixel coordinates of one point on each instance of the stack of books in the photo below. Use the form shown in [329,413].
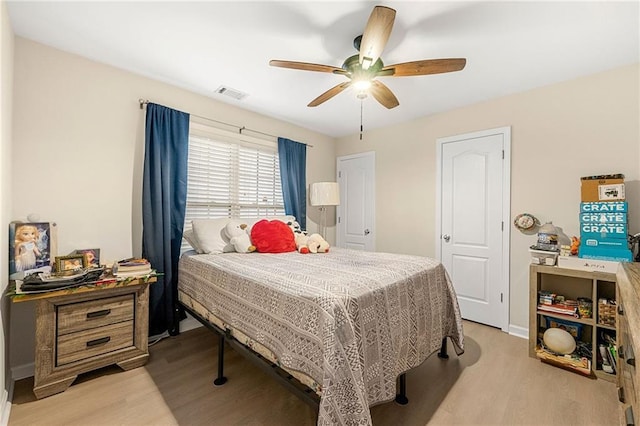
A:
[133,267]
[566,308]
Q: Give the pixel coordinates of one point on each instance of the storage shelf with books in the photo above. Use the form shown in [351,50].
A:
[593,326]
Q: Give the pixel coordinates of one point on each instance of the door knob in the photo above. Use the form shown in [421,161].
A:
[446,237]
[366,232]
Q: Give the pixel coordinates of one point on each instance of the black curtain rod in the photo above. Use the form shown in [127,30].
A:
[143,102]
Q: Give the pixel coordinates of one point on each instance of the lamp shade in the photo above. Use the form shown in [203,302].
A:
[325,194]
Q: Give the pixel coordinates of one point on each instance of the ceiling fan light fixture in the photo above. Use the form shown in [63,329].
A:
[362,85]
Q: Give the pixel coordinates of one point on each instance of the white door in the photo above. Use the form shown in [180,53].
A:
[473,241]
[356,212]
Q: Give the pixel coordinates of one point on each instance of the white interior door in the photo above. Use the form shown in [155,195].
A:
[356,212]
[473,240]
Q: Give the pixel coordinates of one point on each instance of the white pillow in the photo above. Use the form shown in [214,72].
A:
[211,236]
[190,236]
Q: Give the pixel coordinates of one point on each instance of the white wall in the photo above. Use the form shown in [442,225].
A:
[78,138]
[6,95]
[583,127]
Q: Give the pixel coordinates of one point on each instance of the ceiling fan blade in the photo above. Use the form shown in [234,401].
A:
[376,34]
[424,67]
[383,94]
[329,94]
[306,66]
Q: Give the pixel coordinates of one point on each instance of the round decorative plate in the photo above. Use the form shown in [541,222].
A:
[525,221]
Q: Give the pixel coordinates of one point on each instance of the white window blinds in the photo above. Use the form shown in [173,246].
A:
[231,175]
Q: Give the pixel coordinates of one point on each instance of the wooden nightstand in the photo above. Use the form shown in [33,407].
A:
[89,327]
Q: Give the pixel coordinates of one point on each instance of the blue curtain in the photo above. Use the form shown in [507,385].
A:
[164,197]
[293,169]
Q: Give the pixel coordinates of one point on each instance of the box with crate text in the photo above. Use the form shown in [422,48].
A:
[603,207]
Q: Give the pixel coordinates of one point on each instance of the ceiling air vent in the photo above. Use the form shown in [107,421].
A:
[232,93]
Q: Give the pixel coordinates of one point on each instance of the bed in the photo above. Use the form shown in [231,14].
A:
[345,323]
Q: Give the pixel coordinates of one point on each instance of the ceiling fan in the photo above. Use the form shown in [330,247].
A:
[363,69]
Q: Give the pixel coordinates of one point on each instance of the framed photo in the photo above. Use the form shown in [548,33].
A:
[70,263]
[32,246]
[92,257]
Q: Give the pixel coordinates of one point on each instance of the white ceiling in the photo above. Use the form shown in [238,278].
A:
[510,47]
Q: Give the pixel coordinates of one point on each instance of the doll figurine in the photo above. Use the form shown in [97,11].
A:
[26,247]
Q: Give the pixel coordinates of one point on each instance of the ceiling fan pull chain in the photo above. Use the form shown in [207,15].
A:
[361,101]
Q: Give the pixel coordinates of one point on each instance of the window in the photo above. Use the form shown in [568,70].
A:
[231,175]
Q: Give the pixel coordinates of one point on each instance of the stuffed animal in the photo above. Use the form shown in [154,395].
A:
[302,238]
[575,245]
[238,237]
[317,244]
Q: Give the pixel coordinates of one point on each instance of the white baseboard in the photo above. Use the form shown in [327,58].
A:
[5,403]
[515,330]
[23,371]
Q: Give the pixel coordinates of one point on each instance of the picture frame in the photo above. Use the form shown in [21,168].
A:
[92,256]
[70,262]
[32,248]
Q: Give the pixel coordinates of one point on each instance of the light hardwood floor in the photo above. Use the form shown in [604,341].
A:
[493,383]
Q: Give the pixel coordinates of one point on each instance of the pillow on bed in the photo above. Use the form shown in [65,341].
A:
[210,235]
[272,237]
[190,236]
[250,221]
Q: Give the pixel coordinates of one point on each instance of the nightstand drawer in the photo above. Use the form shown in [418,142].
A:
[97,341]
[95,313]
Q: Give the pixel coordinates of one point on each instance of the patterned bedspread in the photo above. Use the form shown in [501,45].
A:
[351,320]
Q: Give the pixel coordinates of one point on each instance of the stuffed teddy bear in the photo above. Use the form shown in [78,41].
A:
[317,244]
[238,237]
[301,237]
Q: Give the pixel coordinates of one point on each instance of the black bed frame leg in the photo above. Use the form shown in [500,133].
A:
[220,380]
[401,398]
[443,350]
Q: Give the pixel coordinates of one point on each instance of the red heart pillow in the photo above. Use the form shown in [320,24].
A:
[272,237]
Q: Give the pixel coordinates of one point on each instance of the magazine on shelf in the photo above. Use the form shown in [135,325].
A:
[560,309]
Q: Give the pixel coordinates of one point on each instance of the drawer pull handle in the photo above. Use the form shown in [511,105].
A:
[631,361]
[628,416]
[621,395]
[97,342]
[621,352]
[98,314]
[620,310]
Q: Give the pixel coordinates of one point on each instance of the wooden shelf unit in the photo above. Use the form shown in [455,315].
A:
[629,342]
[572,283]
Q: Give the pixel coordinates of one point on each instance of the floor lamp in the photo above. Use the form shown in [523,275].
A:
[324,194]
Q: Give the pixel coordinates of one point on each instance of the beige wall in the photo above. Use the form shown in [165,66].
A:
[6,95]
[78,138]
[559,133]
